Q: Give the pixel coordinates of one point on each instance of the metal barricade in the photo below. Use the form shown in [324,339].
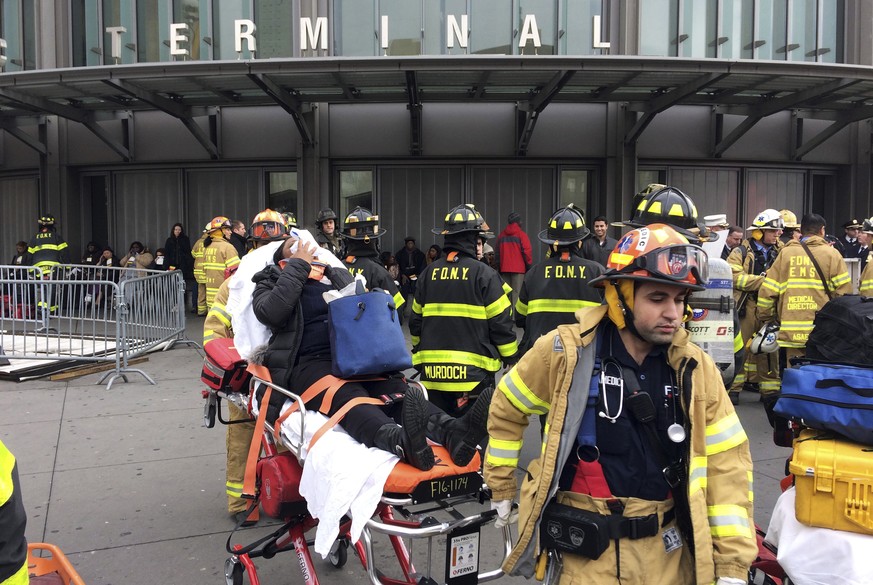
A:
[853,265]
[91,314]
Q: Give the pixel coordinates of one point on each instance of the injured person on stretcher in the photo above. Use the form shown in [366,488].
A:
[288,300]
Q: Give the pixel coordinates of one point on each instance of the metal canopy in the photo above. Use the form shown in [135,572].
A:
[647,85]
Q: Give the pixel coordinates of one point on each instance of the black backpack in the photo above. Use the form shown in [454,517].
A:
[843,332]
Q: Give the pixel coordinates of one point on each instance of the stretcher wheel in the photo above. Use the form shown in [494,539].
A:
[210,416]
[233,572]
[339,553]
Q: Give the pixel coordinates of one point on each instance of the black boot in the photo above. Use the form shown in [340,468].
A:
[460,436]
[408,441]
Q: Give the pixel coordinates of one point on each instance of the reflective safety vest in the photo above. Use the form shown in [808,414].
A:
[461,324]
[13,545]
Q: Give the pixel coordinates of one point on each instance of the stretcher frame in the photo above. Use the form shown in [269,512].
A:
[385,520]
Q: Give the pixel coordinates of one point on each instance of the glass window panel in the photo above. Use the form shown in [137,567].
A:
[356,188]
[576,32]
[10,28]
[119,13]
[275,35]
[697,36]
[771,25]
[188,12]
[404,27]
[736,24]
[282,192]
[646,177]
[574,189]
[491,27]
[659,35]
[436,31]
[152,31]
[802,20]
[546,26]
[224,31]
[28,34]
[355,31]
[831,31]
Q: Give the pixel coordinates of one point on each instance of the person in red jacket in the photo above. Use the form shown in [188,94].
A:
[513,249]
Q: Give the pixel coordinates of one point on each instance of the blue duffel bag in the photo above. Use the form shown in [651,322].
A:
[832,398]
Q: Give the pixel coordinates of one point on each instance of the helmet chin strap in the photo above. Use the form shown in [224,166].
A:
[627,312]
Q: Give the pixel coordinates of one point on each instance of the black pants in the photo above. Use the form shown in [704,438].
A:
[457,403]
[362,421]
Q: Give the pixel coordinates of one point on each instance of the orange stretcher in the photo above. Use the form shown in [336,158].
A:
[53,569]
[415,505]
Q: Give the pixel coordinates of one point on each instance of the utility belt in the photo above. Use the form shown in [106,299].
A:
[582,532]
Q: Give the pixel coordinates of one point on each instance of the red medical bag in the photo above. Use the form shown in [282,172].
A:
[280,485]
[223,368]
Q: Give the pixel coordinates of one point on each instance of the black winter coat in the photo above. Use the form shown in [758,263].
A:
[276,303]
[178,252]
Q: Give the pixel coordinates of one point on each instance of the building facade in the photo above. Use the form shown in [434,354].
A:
[121,117]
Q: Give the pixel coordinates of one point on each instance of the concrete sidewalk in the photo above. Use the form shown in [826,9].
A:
[131,487]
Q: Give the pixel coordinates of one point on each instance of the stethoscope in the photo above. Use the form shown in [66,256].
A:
[675,432]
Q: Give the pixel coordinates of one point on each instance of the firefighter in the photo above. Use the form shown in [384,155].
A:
[361,235]
[290,219]
[664,204]
[199,276]
[794,289]
[461,322]
[219,256]
[47,248]
[749,263]
[558,286]
[790,227]
[327,237]
[267,226]
[13,545]
[643,452]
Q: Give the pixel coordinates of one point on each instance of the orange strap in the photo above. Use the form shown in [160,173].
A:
[248,490]
[338,416]
[589,479]
[330,389]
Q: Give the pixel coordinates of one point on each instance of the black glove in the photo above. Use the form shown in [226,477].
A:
[510,361]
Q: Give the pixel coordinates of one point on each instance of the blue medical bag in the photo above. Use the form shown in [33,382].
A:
[832,398]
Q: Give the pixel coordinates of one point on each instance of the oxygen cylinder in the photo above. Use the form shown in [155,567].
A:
[712,318]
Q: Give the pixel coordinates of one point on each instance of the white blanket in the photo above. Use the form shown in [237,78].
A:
[340,476]
[818,556]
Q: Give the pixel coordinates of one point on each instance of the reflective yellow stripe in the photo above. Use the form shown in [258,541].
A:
[56,247]
[724,434]
[7,463]
[234,489]
[232,262]
[796,325]
[769,386]
[697,474]
[454,310]
[839,279]
[451,386]
[728,520]
[398,300]
[517,392]
[866,286]
[507,290]
[508,349]
[208,335]
[19,578]
[520,307]
[497,307]
[467,358]
[219,313]
[503,453]
[416,308]
[559,305]
[773,285]
[751,479]
[738,342]
[765,303]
